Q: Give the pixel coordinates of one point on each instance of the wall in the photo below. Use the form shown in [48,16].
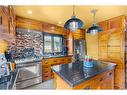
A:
[3,46]
[92,45]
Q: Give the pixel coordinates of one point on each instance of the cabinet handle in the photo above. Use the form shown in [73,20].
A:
[87,87]
[110,74]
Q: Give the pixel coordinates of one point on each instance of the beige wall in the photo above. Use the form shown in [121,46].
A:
[3,46]
[92,45]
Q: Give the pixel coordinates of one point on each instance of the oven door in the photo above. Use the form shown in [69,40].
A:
[29,71]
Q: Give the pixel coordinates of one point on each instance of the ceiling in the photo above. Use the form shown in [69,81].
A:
[54,14]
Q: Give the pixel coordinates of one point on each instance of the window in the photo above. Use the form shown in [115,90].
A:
[53,44]
[57,44]
[48,43]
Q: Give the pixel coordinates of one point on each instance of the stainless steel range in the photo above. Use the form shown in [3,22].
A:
[30,72]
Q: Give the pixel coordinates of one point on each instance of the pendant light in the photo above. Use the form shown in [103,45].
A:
[94,29]
[73,23]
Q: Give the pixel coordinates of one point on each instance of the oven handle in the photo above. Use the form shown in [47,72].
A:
[28,65]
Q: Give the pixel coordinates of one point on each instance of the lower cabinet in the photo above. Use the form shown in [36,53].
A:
[119,79]
[47,73]
[103,81]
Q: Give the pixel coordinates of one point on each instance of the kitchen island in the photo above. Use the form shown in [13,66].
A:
[76,76]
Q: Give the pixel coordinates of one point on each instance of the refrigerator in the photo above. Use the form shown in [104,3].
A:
[79,49]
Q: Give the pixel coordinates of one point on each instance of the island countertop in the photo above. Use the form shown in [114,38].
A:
[75,73]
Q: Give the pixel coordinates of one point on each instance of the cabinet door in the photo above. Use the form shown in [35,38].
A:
[104,81]
[79,34]
[115,44]
[11,19]
[28,24]
[107,83]
[104,25]
[4,23]
[103,41]
[117,22]
[119,79]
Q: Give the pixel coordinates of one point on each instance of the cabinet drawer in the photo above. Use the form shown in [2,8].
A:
[46,77]
[69,60]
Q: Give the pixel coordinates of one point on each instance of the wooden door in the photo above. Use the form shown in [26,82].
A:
[104,81]
[103,42]
[119,79]
[104,25]
[115,44]
[117,22]
[4,15]
[12,21]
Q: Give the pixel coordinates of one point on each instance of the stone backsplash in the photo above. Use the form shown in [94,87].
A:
[28,43]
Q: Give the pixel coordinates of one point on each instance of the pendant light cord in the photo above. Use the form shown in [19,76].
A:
[73,10]
[94,13]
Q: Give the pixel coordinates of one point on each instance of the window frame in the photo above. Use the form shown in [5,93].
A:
[52,44]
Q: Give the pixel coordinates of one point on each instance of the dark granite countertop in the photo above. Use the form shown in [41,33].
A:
[7,83]
[76,73]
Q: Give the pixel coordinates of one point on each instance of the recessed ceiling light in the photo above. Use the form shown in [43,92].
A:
[59,22]
[29,12]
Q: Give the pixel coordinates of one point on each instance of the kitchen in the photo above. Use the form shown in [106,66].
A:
[41,51]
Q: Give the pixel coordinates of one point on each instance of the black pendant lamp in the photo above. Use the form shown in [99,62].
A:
[73,23]
[94,29]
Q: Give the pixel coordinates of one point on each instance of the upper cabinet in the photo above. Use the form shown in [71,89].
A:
[117,22]
[28,24]
[40,26]
[79,34]
[7,19]
[104,25]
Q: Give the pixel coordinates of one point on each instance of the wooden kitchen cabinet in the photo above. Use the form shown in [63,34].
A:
[103,43]
[112,48]
[117,22]
[40,26]
[104,25]
[101,81]
[105,81]
[28,24]
[115,44]
[4,19]
[7,23]
[47,73]
[79,34]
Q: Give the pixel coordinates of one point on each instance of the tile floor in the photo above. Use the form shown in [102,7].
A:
[49,85]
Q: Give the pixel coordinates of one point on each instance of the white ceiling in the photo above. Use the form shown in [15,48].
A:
[54,14]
